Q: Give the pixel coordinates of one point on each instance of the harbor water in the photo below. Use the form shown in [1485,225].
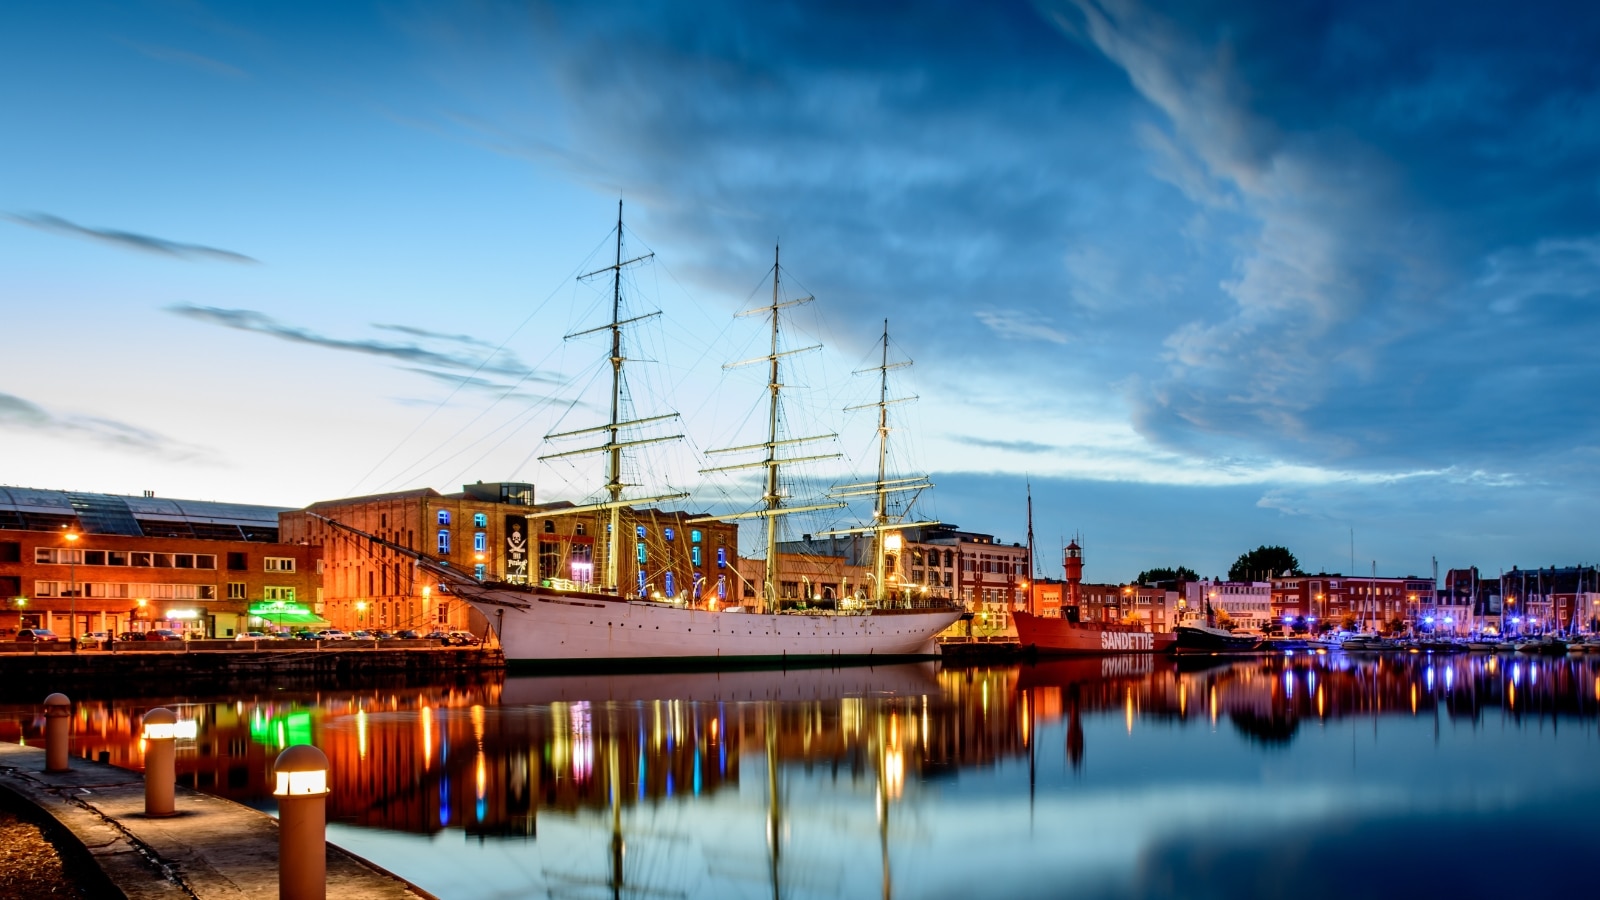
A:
[1320,775]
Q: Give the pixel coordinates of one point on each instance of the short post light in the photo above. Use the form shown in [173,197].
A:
[160,761]
[302,791]
[57,722]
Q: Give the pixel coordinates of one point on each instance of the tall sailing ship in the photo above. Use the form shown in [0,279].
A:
[598,624]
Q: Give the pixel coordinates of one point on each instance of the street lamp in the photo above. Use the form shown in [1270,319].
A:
[72,569]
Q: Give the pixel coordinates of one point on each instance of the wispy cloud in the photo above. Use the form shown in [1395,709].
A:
[127,240]
[1011,446]
[1018,325]
[25,415]
[186,58]
[498,363]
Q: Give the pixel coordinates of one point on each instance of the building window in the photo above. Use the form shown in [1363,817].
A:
[694,535]
[669,584]
[549,526]
[722,558]
[480,520]
[642,556]
[581,529]
[275,564]
[667,533]
[444,517]
[444,541]
[639,530]
[480,541]
[477,571]
[722,587]
[277,593]
[641,584]
[694,556]
[236,590]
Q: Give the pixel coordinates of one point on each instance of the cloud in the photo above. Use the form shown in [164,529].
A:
[501,362]
[1010,446]
[1330,239]
[1017,325]
[126,239]
[184,57]
[16,412]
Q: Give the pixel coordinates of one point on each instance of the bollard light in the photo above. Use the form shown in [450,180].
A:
[160,762]
[57,724]
[301,776]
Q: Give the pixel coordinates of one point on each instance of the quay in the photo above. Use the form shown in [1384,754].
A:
[212,848]
[225,664]
[970,651]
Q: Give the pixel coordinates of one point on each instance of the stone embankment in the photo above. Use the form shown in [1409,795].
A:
[212,848]
[236,665]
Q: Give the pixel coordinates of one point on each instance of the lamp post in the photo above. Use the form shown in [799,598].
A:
[72,569]
[160,761]
[302,790]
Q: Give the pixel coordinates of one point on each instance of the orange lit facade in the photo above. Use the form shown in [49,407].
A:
[495,532]
[118,564]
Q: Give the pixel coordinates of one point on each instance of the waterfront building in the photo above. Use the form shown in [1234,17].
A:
[1371,601]
[77,563]
[1248,603]
[496,532]
[808,578]
[989,576]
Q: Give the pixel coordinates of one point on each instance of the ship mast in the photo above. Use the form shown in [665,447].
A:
[883,521]
[615,425]
[772,499]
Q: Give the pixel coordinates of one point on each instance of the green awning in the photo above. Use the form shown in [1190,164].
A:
[284,612]
[280,617]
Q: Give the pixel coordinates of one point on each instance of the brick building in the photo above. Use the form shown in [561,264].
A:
[808,578]
[119,563]
[496,532]
[1370,600]
[939,561]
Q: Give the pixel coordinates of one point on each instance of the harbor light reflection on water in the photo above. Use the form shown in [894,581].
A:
[1132,776]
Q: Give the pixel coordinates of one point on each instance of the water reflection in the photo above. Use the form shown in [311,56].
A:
[902,780]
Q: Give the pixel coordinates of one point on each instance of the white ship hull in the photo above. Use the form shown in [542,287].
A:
[539,626]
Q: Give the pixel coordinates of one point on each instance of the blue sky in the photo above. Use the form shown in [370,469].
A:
[1210,275]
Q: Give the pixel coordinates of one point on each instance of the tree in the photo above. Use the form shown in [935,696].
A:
[1263,563]
[1133,618]
[1156,576]
[1224,620]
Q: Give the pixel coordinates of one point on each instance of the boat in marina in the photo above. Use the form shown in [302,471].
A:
[601,626]
[1212,639]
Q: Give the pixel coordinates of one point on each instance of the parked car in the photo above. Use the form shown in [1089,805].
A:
[37,635]
[406,634]
[382,636]
[95,637]
[333,634]
[442,637]
[162,634]
[131,636]
[250,636]
[465,639]
[306,636]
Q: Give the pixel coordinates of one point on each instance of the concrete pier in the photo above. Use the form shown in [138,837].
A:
[212,848]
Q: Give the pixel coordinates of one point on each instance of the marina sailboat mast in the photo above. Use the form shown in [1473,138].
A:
[883,520]
[773,496]
[616,427]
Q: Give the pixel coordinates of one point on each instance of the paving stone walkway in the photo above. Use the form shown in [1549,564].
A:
[212,848]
